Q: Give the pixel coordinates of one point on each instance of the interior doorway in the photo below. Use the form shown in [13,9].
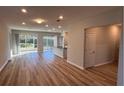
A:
[102,45]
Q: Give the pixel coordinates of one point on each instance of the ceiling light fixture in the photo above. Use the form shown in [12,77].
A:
[23,23]
[61,17]
[24,10]
[39,20]
[59,26]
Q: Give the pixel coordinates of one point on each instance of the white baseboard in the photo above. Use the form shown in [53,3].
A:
[59,56]
[4,65]
[107,62]
[75,65]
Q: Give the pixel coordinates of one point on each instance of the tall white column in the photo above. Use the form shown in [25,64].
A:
[40,42]
[55,41]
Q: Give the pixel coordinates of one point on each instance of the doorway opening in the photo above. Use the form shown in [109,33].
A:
[102,47]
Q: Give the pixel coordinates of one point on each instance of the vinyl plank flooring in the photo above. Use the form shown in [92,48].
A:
[47,69]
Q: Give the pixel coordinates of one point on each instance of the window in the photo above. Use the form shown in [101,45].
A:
[27,42]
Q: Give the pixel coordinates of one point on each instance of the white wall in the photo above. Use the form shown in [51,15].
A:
[4,43]
[65,35]
[120,81]
[75,50]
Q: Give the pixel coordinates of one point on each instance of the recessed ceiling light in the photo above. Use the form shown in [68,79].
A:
[39,20]
[46,25]
[61,17]
[24,10]
[59,26]
[23,23]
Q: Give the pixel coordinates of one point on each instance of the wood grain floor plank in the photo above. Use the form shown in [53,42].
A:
[46,69]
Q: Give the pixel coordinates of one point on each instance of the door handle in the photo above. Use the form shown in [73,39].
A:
[93,52]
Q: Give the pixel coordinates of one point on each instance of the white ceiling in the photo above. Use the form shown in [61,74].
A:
[14,17]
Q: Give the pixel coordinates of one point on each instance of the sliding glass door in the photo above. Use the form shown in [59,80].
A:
[48,42]
[27,42]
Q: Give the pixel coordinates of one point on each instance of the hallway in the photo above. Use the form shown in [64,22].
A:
[47,69]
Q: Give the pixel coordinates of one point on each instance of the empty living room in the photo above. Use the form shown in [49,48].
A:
[61,45]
